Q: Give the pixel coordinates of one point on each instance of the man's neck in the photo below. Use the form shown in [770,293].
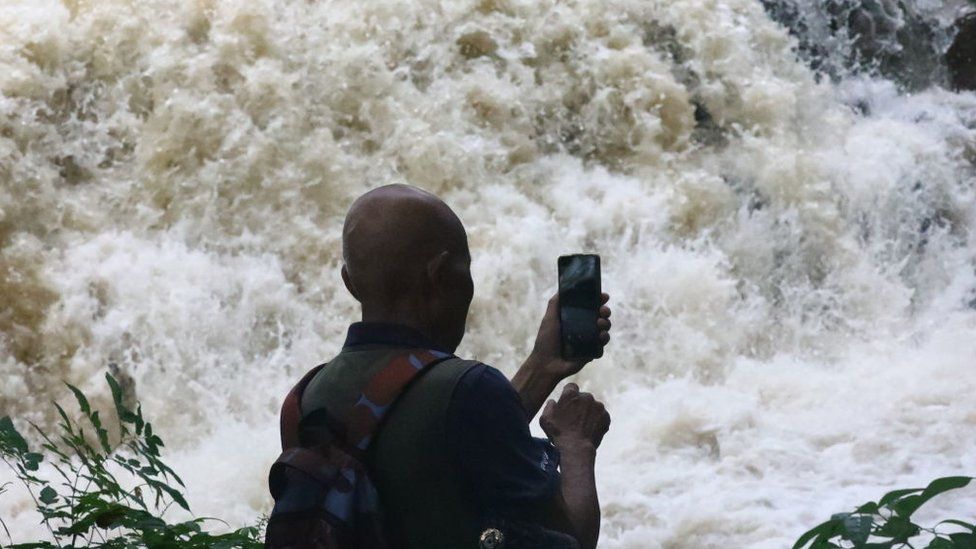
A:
[408,317]
[387,317]
[402,318]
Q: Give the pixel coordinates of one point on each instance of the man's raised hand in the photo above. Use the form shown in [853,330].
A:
[546,352]
[545,367]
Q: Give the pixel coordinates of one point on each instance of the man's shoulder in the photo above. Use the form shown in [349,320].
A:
[484,381]
[451,367]
[447,377]
[344,376]
[471,381]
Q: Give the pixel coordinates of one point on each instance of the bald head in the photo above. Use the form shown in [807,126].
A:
[406,258]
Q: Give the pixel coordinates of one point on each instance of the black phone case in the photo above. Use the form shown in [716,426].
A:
[577,342]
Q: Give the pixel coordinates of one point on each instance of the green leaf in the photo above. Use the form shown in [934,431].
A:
[48,495]
[102,433]
[945,484]
[869,508]
[66,423]
[816,532]
[111,517]
[140,423]
[99,513]
[898,528]
[941,543]
[177,497]
[31,460]
[125,414]
[80,397]
[896,494]
[963,540]
[965,525]
[908,505]
[167,472]
[151,523]
[10,439]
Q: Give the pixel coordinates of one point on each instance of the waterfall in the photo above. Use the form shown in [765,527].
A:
[783,195]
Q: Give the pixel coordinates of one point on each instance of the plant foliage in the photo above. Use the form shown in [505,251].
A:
[86,505]
[887,523]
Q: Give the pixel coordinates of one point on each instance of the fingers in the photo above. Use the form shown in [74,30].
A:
[604,414]
[570,392]
[603,323]
[547,410]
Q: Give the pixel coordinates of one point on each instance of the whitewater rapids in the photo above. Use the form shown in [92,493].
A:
[791,258]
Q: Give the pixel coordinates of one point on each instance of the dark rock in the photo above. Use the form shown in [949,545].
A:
[707,131]
[476,44]
[885,37]
[802,25]
[71,171]
[961,57]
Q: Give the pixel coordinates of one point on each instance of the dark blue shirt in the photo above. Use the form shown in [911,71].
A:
[509,473]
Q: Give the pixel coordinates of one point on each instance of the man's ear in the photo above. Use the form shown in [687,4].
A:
[348,282]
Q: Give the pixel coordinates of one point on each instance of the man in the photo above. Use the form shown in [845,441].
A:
[454,459]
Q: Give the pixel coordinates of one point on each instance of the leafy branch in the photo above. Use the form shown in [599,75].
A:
[887,524]
[86,503]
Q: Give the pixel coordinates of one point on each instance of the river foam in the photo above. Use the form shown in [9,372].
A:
[791,257]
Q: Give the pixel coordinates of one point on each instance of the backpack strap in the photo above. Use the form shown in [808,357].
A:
[378,395]
[367,414]
[381,393]
[291,411]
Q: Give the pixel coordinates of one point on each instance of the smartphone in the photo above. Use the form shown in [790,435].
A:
[579,306]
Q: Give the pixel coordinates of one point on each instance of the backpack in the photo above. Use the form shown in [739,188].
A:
[324,498]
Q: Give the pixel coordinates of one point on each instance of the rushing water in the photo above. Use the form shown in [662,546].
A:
[791,253]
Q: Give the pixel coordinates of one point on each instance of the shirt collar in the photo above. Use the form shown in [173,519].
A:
[385,333]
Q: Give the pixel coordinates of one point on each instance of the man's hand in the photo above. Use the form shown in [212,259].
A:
[546,367]
[577,420]
[546,353]
[576,424]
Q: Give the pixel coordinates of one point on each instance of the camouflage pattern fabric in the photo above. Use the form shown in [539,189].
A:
[324,498]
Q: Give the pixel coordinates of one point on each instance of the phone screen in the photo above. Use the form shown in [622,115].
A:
[579,305]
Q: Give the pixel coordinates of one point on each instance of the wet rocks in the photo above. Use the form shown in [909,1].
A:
[961,57]
[707,131]
[812,43]
[887,37]
[476,44]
